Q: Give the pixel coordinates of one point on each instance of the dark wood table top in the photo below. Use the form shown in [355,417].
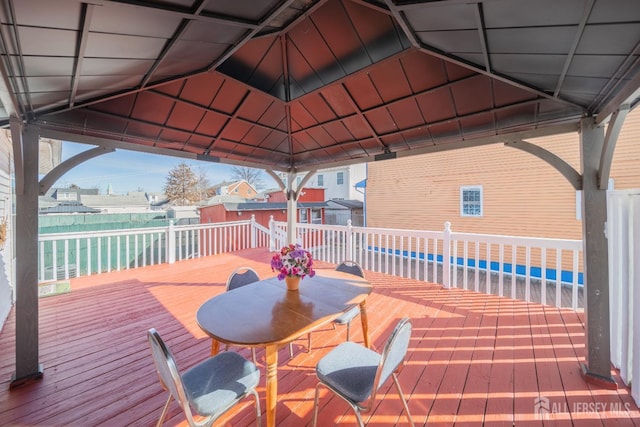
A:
[266,313]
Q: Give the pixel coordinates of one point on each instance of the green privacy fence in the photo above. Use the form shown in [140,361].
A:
[48,224]
[66,255]
[93,253]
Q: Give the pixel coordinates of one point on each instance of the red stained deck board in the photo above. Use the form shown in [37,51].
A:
[473,358]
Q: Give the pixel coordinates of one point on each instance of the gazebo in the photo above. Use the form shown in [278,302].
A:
[296,85]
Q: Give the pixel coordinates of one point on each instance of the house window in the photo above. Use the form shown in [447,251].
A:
[303,216]
[316,216]
[320,181]
[340,177]
[471,201]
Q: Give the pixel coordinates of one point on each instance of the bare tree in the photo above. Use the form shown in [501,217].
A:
[252,176]
[181,186]
[204,186]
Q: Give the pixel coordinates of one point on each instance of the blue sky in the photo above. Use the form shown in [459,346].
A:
[130,170]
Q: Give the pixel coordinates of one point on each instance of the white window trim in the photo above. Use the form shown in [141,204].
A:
[470,188]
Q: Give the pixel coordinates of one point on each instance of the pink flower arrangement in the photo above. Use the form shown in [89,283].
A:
[293,261]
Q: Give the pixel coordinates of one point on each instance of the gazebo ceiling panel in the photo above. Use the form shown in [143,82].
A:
[381,121]
[200,90]
[274,116]
[362,91]
[188,117]
[173,138]
[515,116]
[472,95]
[139,130]
[358,126]
[101,45]
[61,41]
[305,83]
[390,81]
[478,123]
[253,10]
[338,99]
[321,137]
[254,107]
[504,95]
[256,136]
[275,142]
[595,65]
[229,97]
[338,131]
[301,117]
[152,107]
[197,143]
[406,114]
[103,66]
[235,130]
[423,71]
[531,64]
[437,105]
[317,107]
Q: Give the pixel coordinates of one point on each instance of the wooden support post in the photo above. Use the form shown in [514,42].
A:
[27,366]
[597,368]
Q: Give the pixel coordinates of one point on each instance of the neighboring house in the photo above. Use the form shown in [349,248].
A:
[134,201]
[183,215]
[338,212]
[67,208]
[311,207]
[239,188]
[493,189]
[65,200]
[71,194]
[218,199]
[339,183]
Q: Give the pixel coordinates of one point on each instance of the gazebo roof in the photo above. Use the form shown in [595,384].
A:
[305,84]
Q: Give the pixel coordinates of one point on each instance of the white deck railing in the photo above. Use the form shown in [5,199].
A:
[67,255]
[483,263]
[479,262]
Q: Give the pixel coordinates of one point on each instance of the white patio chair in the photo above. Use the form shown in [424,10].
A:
[355,373]
[208,389]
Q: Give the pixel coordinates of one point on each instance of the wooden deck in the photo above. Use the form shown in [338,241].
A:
[474,359]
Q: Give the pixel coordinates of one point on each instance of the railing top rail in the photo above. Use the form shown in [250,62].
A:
[541,242]
[212,225]
[101,233]
[400,232]
[135,231]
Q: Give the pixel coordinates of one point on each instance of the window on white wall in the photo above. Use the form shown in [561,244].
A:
[471,201]
[340,178]
[316,216]
[320,181]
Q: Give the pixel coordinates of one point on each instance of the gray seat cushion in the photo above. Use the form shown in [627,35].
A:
[349,369]
[216,384]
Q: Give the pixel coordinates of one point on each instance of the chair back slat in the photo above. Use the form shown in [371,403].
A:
[241,277]
[167,369]
[394,351]
[350,267]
